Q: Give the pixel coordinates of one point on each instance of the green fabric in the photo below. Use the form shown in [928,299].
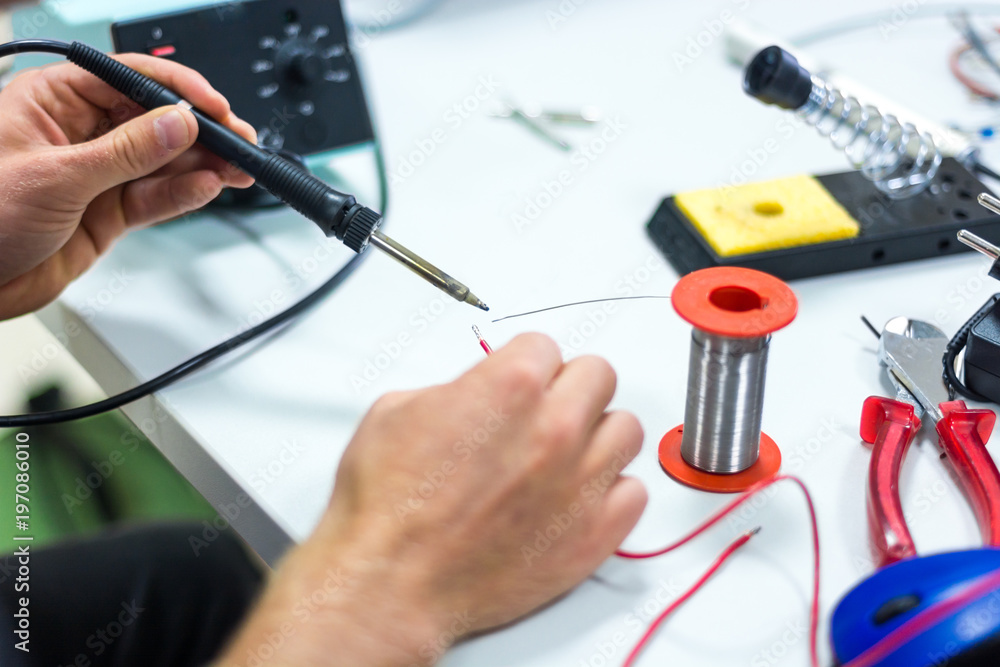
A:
[87,474]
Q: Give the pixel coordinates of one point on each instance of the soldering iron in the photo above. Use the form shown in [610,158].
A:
[337,214]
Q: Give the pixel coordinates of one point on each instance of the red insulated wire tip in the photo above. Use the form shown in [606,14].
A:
[482,341]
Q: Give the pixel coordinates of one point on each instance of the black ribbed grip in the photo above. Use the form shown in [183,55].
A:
[302,191]
[359,227]
[137,87]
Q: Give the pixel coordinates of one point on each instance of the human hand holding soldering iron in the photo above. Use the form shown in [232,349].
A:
[524,463]
[80,165]
[456,509]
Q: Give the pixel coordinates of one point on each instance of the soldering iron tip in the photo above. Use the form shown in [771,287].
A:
[475,301]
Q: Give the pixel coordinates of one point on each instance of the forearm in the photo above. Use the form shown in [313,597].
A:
[340,609]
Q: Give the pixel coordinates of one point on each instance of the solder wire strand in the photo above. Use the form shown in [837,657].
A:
[725,397]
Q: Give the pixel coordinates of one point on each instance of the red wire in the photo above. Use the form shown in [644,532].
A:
[884,648]
[926,619]
[955,65]
[723,557]
[728,509]
[482,341]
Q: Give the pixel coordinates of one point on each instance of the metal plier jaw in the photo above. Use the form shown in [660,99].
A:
[911,351]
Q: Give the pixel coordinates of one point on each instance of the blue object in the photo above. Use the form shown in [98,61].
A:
[894,595]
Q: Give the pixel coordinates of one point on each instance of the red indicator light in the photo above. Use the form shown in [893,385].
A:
[163,51]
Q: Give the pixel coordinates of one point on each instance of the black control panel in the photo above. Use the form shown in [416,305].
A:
[285,66]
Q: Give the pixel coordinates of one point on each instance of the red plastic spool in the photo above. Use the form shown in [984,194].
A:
[737,303]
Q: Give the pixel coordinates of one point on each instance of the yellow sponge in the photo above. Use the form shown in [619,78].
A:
[766,216]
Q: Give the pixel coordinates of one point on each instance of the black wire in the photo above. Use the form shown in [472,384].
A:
[34,46]
[208,356]
[985,171]
[871,327]
[957,344]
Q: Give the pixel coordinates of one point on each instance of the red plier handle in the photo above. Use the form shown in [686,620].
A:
[962,434]
[889,426]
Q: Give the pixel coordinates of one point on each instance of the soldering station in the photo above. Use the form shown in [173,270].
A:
[909,194]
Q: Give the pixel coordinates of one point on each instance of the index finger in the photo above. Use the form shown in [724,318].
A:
[183,80]
[527,364]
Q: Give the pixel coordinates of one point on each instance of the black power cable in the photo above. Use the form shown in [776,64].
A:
[985,171]
[208,356]
[957,344]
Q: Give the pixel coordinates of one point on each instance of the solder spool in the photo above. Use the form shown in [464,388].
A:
[734,311]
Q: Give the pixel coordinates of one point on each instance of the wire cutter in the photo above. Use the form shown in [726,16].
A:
[911,351]
[887,604]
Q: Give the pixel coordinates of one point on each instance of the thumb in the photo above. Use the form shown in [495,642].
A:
[132,150]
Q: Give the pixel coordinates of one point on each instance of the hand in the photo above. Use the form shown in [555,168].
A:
[459,508]
[80,165]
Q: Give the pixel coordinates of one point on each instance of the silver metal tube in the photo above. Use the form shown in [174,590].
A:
[725,398]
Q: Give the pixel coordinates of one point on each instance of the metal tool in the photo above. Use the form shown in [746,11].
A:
[911,351]
[517,115]
[425,270]
[897,157]
[586,116]
[908,612]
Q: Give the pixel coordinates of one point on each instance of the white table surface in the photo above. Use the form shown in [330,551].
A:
[289,405]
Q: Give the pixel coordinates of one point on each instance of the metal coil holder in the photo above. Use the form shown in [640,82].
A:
[720,446]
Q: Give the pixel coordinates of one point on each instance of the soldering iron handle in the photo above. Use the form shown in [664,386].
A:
[336,213]
[889,426]
[963,434]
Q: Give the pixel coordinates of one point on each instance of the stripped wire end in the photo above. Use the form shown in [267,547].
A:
[751,533]
[482,341]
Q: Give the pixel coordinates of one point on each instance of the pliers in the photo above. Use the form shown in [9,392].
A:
[911,351]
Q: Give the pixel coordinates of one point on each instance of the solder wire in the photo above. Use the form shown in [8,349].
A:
[725,399]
